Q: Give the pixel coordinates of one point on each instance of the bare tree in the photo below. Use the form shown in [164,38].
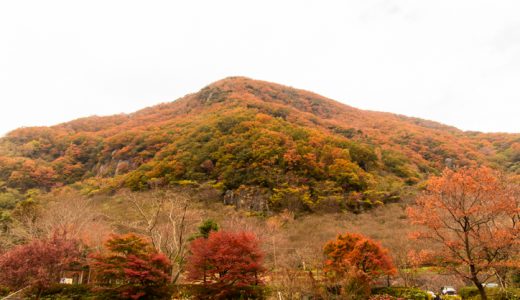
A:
[165,217]
[25,221]
[69,213]
[63,212]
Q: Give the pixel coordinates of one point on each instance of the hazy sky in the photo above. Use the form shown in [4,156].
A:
[457,62]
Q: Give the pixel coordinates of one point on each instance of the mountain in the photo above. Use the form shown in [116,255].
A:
[290,147]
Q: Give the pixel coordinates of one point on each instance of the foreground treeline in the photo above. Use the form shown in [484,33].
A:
[219,265]
[163,244]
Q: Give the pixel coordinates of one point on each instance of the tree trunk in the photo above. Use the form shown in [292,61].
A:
[175,274]
[477,282]
[39,293]
[481,290]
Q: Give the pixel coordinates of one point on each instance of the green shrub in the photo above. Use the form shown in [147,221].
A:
[9,199]
[509,294]
[402,292]
[468,292]
[4,291]
[382,297]
[515,278]
[472,293]
[199,291]
[501,294]
[451,297]
[68,291]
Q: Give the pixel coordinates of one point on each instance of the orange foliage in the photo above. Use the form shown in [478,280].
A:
[240,131]
[353,251]
[473,216]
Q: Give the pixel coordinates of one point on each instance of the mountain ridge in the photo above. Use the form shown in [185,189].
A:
[427,123]
[217,84]
[239,132]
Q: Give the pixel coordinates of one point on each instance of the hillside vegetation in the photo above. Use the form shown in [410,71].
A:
[244,137]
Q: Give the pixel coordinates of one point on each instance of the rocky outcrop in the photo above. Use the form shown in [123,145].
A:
[248,198]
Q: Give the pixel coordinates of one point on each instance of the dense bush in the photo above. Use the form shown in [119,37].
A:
[68,291]
[9,199]
[471,293]
[515,278]
[468,292]
[402,292]
[452,297]
[382,297]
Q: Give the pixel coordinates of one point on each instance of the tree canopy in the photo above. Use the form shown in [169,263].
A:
[471,217]
[227,264]
[39,263]
[355,251]
[131,269]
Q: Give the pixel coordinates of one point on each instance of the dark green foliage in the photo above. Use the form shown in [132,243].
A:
[515,278]
[348,133]
[69,291]
[4,291]
[199,292]
[206,227]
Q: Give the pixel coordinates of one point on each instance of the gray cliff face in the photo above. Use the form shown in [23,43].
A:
[248,198]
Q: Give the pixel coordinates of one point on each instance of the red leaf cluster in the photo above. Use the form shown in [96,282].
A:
[38,263]
[132,269]
[227,264]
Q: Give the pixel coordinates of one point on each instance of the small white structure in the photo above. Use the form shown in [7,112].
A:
[66,280]
[448,290]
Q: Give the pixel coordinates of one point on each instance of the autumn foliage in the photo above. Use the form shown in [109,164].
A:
[228,265]
[471,218]
[131,269]
[243,132]
[39,263]
[355,251]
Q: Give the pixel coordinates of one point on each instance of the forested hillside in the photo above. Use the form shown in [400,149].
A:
[296,149]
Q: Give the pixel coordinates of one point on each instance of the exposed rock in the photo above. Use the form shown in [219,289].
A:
[249,198]
[122,167]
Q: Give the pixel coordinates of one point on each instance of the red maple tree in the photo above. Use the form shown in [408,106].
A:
[38,263]
[227,264]
[131,269]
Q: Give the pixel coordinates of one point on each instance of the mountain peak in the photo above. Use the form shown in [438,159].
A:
[240,131]
[244,90]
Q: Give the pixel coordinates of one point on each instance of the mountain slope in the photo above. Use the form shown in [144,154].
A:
[240,133]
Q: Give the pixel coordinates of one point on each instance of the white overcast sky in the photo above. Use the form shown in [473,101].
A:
[457,62]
